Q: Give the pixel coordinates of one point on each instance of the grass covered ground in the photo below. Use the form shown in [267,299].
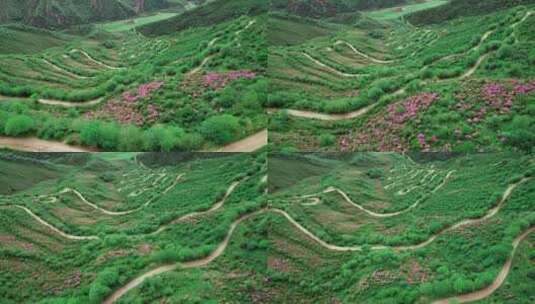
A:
[131,214]
[406,230]
[367,82]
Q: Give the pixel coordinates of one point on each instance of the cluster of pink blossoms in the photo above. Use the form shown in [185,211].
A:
[499,97]
[220,80]
[383,132]
[129,112]
[400,113]
[143,91]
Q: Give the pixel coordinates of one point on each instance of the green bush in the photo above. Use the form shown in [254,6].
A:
[327,140]
[18,125]
[221,129]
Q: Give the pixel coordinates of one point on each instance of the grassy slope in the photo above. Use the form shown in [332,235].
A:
[27,40]
[421,61]
[209,14]
[460,8]
[387,276]
[27,245]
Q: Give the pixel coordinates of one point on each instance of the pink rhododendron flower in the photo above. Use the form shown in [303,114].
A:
[220,80]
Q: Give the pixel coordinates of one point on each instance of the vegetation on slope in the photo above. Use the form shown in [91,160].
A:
[195,89]
[464,259]
[212,13]
[64,13]
[48,267]
[321,9]
[462,85]
[462,8]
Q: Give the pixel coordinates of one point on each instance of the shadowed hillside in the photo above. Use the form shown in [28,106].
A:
[322,8]
[63,13]
[212,13]
[460,8]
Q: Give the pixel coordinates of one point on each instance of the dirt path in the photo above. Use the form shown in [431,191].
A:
[363,54]
[384,215]
[251,22]
[323,65]
[483,293]
[473,69]
[62,70]
[33,144]
[94,60]
[215,207]
[116,213]
[56,230]
[192,264]
[210,44]
[200,66]
[334,117]
[354,114]
[324,244]
[248,144]
[70,104]
[314,201]
[329,117]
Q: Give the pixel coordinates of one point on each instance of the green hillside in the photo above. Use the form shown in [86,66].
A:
[460,8]
[64,13]
[319,8]
[119,219]
[379,83]
[211,13]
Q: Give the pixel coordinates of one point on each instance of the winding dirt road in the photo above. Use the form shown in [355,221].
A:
[363,54]
[490,213]
[214,208]
[115,213]
[333,117]
[329,117]
[33,144]
[192,264]
[70,104]
[487,291]
[62,70]
[249,144]
[94,60]
[323,65]
[384,215]
[355,114]
[51,227]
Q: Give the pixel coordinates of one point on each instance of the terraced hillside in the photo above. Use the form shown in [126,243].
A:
[388,228]
[94,228]
[196,89]
[372,81]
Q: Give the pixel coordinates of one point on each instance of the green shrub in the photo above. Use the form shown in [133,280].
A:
[327,140]
[221,129]
[18,125]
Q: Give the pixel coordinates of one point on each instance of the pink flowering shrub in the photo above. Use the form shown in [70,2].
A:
[128,110]
[383,132]
[143,91]
[495,98]
[217,81]
[499,97]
